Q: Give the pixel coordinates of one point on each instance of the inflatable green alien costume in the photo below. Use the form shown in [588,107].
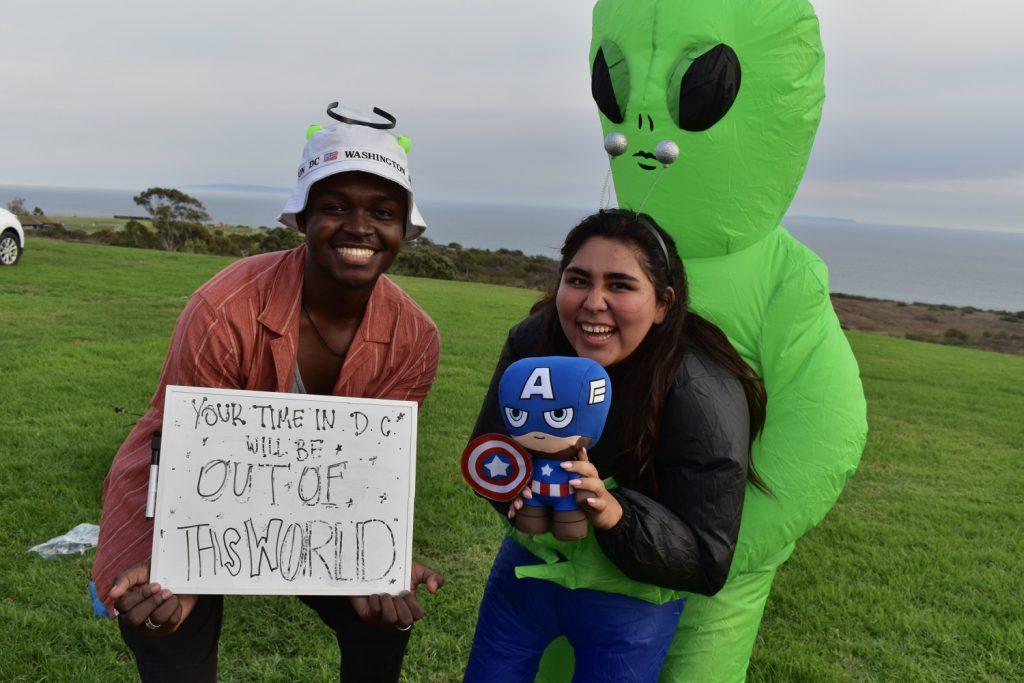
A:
[738,85]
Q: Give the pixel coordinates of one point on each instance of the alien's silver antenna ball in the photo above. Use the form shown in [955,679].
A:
[616,143]
[667,152]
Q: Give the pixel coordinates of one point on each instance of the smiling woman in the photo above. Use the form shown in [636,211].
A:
[606,304]
[685,411]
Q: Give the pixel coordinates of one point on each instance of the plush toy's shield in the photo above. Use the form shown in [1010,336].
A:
[496,467]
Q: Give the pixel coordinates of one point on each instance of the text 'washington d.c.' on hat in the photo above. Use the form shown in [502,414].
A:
[357,142]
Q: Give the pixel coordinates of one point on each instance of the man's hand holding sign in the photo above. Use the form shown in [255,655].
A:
[157,611]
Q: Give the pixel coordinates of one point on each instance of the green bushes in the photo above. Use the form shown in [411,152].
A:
[196,238]
[425,263]
[956,337]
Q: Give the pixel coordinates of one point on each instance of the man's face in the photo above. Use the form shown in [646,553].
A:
[354,223]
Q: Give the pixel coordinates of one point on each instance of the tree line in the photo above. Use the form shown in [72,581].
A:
[180,222]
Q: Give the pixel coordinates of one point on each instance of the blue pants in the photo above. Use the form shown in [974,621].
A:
[615,637]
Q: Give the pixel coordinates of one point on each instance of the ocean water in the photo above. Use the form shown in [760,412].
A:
[930,265]
[933,265]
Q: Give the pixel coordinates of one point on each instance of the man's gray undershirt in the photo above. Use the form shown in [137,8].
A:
[297,386]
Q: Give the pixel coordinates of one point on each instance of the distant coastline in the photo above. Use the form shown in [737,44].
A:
[991,330]
[979,268]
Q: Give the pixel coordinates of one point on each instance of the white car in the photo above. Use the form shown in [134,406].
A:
[12,238]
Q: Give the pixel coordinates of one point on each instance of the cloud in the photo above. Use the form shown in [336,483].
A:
[495,95]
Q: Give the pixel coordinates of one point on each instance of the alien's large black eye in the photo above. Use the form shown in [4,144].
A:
[609,81]
[702,90]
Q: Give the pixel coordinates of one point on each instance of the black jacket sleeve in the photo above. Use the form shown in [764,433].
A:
[686,541]
[520,340]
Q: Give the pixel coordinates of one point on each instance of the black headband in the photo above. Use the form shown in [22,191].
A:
[391,120]
[645,221]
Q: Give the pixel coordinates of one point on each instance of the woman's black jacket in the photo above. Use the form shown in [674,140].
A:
[681,531]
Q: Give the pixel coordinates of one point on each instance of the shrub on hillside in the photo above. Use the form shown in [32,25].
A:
[955,336]
[137,235]
[424,263]
[279,239]
[59,232]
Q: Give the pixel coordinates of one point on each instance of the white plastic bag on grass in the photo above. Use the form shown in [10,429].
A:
[76,541]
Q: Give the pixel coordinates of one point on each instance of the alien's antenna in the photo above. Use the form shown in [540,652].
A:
[661,172]
[606,196]
[615,144]
[667,152]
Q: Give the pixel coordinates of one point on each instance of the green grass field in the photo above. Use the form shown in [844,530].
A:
[915,576]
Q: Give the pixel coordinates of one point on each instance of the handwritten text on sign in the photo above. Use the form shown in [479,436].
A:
[284,493]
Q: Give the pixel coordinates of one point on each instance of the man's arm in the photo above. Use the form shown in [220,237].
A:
[202,352]
[413,380]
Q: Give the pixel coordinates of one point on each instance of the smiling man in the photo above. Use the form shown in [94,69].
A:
[318,319]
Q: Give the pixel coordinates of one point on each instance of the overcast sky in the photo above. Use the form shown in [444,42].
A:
[921,125]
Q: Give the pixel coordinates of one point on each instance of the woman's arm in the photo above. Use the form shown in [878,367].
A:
[522,339]
[686,541]
[489,419]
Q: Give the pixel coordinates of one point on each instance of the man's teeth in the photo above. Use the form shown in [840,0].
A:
[355,251]
[597,329]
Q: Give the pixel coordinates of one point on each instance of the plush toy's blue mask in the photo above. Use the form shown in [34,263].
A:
[550,403]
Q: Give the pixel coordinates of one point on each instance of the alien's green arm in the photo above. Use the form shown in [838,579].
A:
[816,418]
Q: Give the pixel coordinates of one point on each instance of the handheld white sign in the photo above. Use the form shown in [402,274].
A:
[289,494]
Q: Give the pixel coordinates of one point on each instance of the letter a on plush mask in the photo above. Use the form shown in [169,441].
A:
[538,384]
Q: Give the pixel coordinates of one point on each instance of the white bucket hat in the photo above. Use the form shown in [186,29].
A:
[346,147]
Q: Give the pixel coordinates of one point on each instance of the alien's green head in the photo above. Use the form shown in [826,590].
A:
[737,84]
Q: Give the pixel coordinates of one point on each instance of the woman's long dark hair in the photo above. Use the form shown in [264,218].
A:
[661,352]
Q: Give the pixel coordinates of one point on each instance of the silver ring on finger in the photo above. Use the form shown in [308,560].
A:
[404,628]
[148,623]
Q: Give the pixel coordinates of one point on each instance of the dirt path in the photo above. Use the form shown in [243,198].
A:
[991,330]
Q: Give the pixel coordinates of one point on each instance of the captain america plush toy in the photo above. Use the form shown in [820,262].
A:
[552,407]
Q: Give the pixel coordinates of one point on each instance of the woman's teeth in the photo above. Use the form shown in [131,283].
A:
[598,330]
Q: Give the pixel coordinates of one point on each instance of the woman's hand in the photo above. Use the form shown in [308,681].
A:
[600,506]
[517,503]
[397,611]
[145,607]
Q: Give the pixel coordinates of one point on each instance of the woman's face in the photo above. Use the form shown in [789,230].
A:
[606,302]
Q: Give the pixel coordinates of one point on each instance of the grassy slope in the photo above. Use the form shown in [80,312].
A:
[915,576]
